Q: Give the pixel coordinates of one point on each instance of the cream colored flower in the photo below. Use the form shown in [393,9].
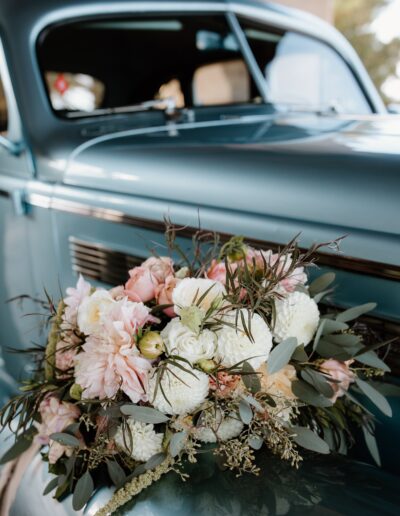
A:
[297,315]
[190,290]
[234,346]
[180,340]
[92,311]
[141,441]
[218,427]
[182,391]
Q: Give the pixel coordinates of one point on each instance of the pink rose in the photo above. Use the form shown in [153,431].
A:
[117,293]
[164,294]
[141,285]
[340,372]
[160,268]
[217,271]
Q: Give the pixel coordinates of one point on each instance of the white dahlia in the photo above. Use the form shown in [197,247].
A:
[234,346]
[92,311]
[224,428]
[297,315]
[141,441]
[180,340]
[184,390]
[189,291]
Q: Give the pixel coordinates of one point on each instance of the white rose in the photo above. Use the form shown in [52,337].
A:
[180,340]
[185,391]
[223,429]
[190,290]
[92,311]
[140,441]
[234,346]
[297,315]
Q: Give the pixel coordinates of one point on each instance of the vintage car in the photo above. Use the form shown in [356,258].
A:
[242,117]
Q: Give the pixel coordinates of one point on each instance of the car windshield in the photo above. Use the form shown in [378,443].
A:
[104,67]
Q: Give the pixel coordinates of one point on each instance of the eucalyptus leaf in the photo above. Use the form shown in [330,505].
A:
[155,461]
[255,442]
[317,298]
[309,395]
[116,473]
[328,349]
[177,443]
[332,326]
[252,401]
[50,486]
[310,440]
[245,412]
[281,354]
[321,283]
[83,491]
[318,333]
[345,339]
[65,439]
[22,443]
[355,312]
[371,359]
[299,354]
[372,446]
[144,414]
[318,381]
[376,397]
[250,378]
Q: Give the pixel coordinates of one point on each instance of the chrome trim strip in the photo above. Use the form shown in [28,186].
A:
[346,263]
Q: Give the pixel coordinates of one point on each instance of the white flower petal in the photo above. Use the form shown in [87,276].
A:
[190,290]
[144,441]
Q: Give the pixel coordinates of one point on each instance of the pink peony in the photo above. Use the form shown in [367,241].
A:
[164,294]
[56,415]
[141,285]
[160,268]
[340,372]
[74,298]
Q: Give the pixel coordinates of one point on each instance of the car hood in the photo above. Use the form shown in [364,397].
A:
[324,169]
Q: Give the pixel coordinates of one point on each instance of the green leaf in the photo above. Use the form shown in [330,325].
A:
[321,283]
[50,486]
[65,439]
[371,359]
[245,412]
[281,355]
[177,443]
[355,312]
[116,473]
[22,443]
[318,381]
[255,442]
[310,440]
[155,461]
[250,378]
[372,446]
[319,333]
[309,395]
[332,326]
[328,349]
[346,340]
[376,397]
[144,414]
[299,354]
[83,491]
[252,401]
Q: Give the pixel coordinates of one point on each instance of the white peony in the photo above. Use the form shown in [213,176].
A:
[184,391]
[141,443]
[92,311]
[190,290]
[234,346]
[297,315]
[224,429]
[180,340]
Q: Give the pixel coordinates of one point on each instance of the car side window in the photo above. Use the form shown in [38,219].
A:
[120,63]
[304,72]
[3,110]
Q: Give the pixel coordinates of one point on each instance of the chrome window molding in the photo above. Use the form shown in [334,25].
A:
[345,263]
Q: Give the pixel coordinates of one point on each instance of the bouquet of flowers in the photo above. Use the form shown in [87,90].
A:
[226,351]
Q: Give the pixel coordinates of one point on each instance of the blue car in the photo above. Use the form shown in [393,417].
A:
[242,117]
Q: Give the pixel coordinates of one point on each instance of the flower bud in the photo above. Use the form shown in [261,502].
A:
[182,273]
[206,365]
[151,345]
[75,391]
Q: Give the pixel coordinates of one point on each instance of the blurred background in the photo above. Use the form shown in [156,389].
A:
[373,28]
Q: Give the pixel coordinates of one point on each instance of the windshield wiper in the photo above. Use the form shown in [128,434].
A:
[167,106]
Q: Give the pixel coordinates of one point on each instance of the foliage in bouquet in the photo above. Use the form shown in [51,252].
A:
[226,351]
